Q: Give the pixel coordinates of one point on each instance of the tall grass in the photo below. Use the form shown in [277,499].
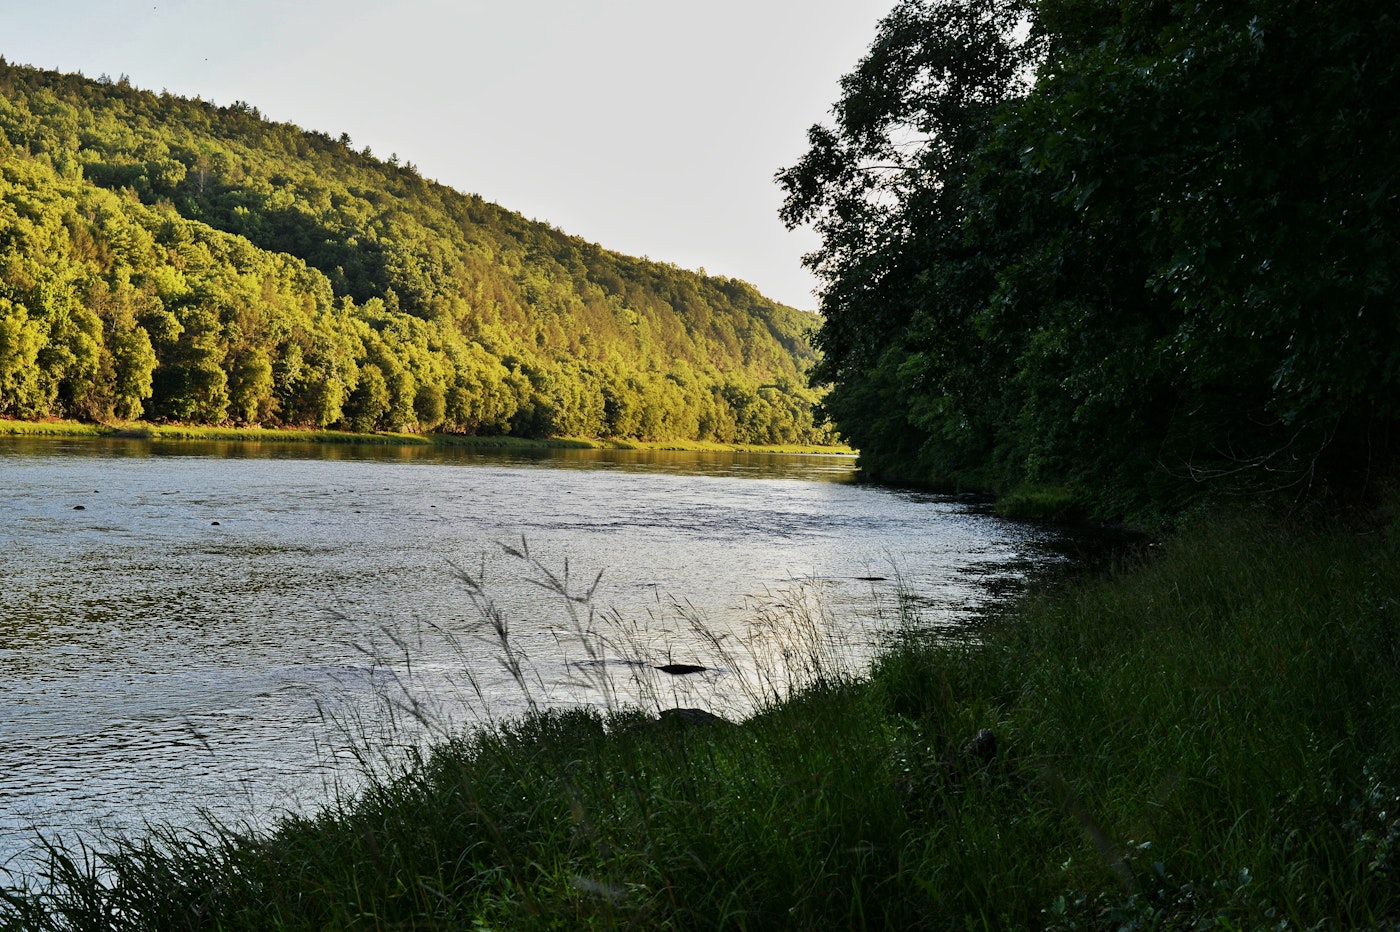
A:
[1205,740]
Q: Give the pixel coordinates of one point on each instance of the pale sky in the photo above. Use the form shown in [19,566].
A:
[652,127]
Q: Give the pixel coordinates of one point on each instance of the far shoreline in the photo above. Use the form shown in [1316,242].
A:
[141,430]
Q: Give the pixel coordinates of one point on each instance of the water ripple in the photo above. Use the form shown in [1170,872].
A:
[154,664]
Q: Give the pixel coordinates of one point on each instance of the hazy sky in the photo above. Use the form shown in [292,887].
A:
[653,127]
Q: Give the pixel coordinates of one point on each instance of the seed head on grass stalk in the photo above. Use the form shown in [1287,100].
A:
[492,618]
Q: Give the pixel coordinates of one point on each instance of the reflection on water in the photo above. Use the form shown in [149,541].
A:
[767,465]
[189,626]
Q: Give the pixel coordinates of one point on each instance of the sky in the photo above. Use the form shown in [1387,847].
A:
[652,127]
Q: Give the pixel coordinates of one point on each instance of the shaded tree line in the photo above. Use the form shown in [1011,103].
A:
[1143,249]
[167,259]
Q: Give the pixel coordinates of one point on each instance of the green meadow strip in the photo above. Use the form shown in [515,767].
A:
[143,431]
[52,429]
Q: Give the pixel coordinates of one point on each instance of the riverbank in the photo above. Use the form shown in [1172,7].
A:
[174,432]
[1207,738]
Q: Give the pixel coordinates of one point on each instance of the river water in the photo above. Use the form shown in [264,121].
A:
[225,629]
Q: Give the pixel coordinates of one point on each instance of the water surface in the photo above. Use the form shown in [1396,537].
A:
[191,626]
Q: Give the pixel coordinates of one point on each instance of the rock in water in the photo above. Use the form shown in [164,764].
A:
[681,669]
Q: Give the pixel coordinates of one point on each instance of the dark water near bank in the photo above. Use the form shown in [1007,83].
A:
[192,626]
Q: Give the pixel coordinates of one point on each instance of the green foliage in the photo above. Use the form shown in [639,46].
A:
[166,258]
[19,352]
[1146,251]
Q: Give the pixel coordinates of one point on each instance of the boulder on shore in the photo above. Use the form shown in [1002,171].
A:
[691,717]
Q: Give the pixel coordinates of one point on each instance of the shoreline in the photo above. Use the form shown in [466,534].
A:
[140,430]
[1047,778]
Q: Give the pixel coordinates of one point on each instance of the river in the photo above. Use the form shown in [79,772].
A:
[229,629]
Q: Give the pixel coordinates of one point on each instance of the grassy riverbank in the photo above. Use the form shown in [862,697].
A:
[1209,739]
[173,432]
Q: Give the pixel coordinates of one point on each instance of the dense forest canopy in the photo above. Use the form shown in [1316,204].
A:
[167,259]
[1142,249]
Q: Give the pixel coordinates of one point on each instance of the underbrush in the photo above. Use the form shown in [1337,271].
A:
[1206,740]
[1041,503]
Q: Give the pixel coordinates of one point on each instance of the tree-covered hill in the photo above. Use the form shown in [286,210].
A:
[1141,249]
[167,259]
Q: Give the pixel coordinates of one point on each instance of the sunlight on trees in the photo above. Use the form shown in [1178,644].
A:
[167,259]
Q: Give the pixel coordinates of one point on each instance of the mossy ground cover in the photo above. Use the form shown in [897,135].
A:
[1207,738]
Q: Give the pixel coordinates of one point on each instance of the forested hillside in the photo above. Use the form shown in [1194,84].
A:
[167,259]
[1137,249]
